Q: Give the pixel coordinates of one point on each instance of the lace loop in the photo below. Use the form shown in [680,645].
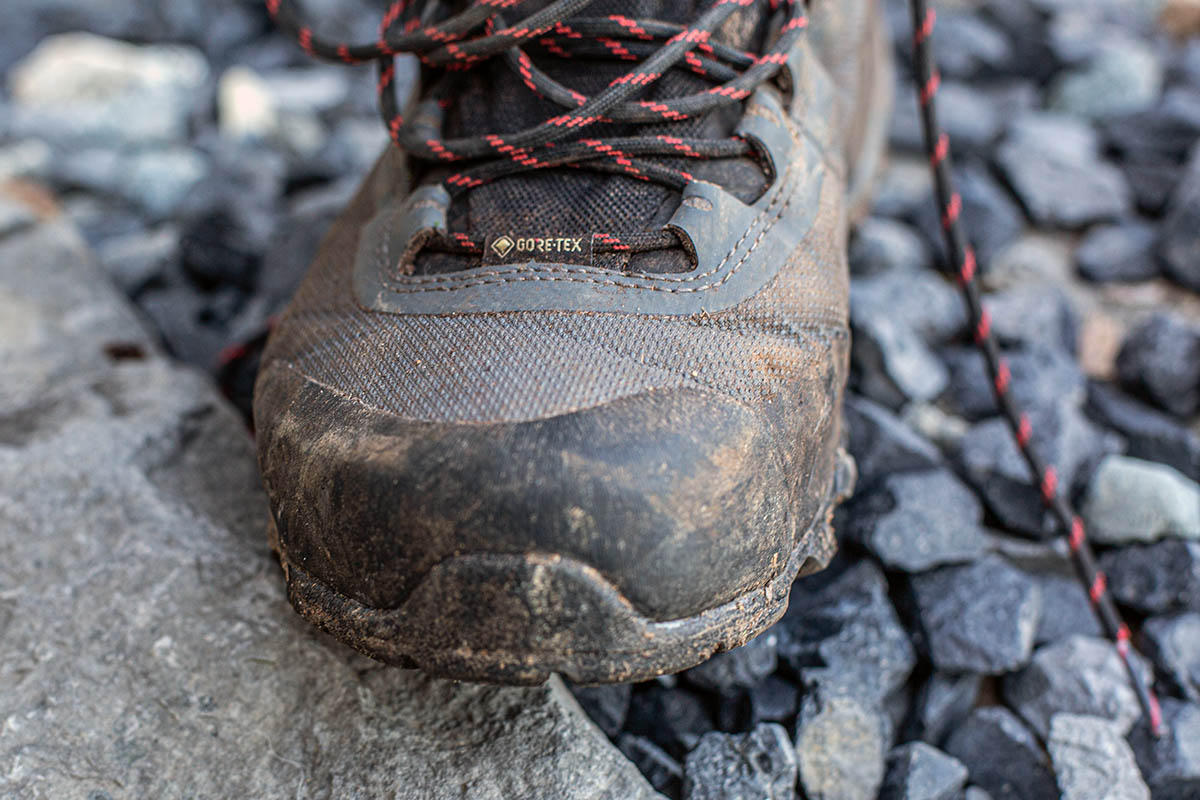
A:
[480,33]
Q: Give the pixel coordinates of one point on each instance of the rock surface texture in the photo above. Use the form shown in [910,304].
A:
[149,650]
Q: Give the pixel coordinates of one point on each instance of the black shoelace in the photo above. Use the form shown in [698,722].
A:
[479,34]
[449,43]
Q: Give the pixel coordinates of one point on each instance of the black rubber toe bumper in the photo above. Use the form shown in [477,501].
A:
[609,543]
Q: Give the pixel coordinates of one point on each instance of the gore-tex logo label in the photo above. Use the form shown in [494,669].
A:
[511,249]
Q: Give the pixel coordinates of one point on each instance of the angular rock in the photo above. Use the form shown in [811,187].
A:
[1093,761]
[1172,643]
[79,88]
[989,213]
[1053,164]
[842,629]
[1152,185]
[944,429]
[1161,360]
[971,118]
[839,746]
[759,765]
[919,520]
[1163,134]
[1129,500]
[884,245]
[1080,675]
[663,772]
[942,703]
[1181,228]
[1124,252]
[740,668]
[773,700]
[1155,578]
[151,639]
[881,444]
[156,180]
[1124,76]
[1170,763]
[967,44]
[1036,258]
[1044,377]
[1034,316]
[672,718]
[1150,434]
[1066,609]
[607,706]
[916,771]
[893,317]
[135,259]
[993,465]
[1002,756]
[979,617]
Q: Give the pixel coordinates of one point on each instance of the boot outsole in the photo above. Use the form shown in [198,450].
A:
[517,618]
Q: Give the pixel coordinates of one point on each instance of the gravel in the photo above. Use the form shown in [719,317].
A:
[840,746]
[916,771]
[1171,762]
[1079,675]
[979,618]
[1161,360]
[1126,252]
[1155,578]
[1054,165]
[842,630]
[1093,761]
[1002,756]
[759,765]
[1173,643]
[919,520]
[1129,501]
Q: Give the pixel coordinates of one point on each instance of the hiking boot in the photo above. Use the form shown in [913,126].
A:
[562,391]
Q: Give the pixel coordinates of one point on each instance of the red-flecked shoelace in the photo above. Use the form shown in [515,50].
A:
[937,146]
[449,43]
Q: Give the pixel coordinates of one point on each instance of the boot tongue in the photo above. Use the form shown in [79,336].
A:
[493,99]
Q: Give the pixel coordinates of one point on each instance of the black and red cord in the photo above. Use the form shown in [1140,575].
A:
[962,257]
[477,33]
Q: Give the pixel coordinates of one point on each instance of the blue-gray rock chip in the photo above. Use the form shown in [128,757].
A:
[1080,675]
[917,771]
[979,617]
[1054,165]
[759,765]
[1003,756]
[1173,644]
[919,520]
[842,629]
[1171,762]
[1155,578]
[1093,761]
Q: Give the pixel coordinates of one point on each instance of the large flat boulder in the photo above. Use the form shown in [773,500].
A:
[148,648]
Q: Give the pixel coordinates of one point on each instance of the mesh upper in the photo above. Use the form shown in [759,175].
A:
[526,365]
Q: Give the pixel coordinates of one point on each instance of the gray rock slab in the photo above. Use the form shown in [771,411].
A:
[149,650]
